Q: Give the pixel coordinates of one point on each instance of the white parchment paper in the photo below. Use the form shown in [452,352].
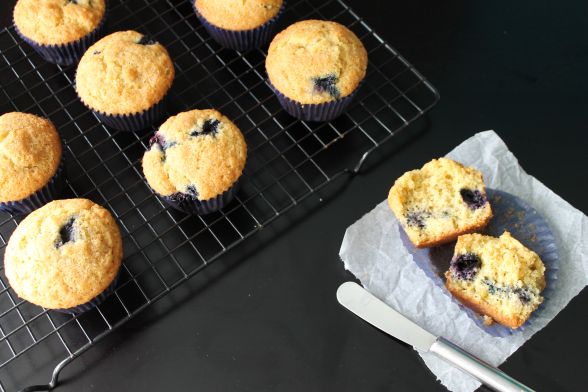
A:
[373,251]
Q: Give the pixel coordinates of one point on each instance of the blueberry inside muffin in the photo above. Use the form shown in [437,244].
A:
[439,202]
[497,277]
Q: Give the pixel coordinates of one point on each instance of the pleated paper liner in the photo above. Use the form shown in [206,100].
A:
[97,300]
[525,224]
[314,112]
[47,193]
[186,203]
[241,39]
[135,121]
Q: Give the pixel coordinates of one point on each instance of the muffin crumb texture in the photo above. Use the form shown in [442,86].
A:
[57,22]
[238,14]
[200,153]
[30,153]
[497,277]
[64,254]
[316,61]
[439,202]
[124,73]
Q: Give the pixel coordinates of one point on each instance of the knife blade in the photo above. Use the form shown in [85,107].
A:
[365,305]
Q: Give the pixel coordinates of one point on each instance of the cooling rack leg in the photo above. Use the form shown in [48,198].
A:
[357,168]
[54,377]
[360,163]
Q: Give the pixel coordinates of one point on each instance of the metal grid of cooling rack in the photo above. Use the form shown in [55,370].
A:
[288,161]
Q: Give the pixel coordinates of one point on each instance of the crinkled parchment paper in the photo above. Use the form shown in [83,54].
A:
[373,251]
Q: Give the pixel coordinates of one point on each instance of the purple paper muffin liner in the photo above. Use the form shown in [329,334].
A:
[41,197]
[314,112]
[135,121]
[525,224]
[241,39]
[97,300]
[70,53]
[202,207]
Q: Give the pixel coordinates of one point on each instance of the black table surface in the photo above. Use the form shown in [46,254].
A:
[266,318]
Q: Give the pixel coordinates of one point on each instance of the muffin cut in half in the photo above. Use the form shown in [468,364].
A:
[439,202]
[497,277]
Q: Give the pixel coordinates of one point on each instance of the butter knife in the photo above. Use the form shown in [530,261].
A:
[371,309]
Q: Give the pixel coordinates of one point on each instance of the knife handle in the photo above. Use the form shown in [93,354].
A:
[487,374]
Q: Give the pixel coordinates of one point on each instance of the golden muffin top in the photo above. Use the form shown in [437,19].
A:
[124,73]
[55,22]
[316,61]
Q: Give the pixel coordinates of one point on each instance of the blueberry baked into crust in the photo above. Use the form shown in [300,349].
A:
[64,254]
[439,202]
[496,277]
[194,159]
[316,61]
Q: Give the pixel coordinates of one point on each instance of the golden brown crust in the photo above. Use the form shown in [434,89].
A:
[210,163]
[118,75]
[65,276]
[54,22]
[30,153]
[238,14]
[484,308]
[313,49]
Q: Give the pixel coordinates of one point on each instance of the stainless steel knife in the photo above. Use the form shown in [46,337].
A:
[371,309]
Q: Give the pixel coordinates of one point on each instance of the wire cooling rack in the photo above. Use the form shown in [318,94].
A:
[288,161]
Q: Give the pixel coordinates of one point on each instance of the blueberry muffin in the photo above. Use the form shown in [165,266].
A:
[31,165]
[65,255]
[439,202]
[315,67]
[237,24]
[124,78]
[195,160]
[496,277]
[60,30]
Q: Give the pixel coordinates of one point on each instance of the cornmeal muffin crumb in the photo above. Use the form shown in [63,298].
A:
[439,202]
[497,277]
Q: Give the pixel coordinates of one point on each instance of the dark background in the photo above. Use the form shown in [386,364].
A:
[267,319]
